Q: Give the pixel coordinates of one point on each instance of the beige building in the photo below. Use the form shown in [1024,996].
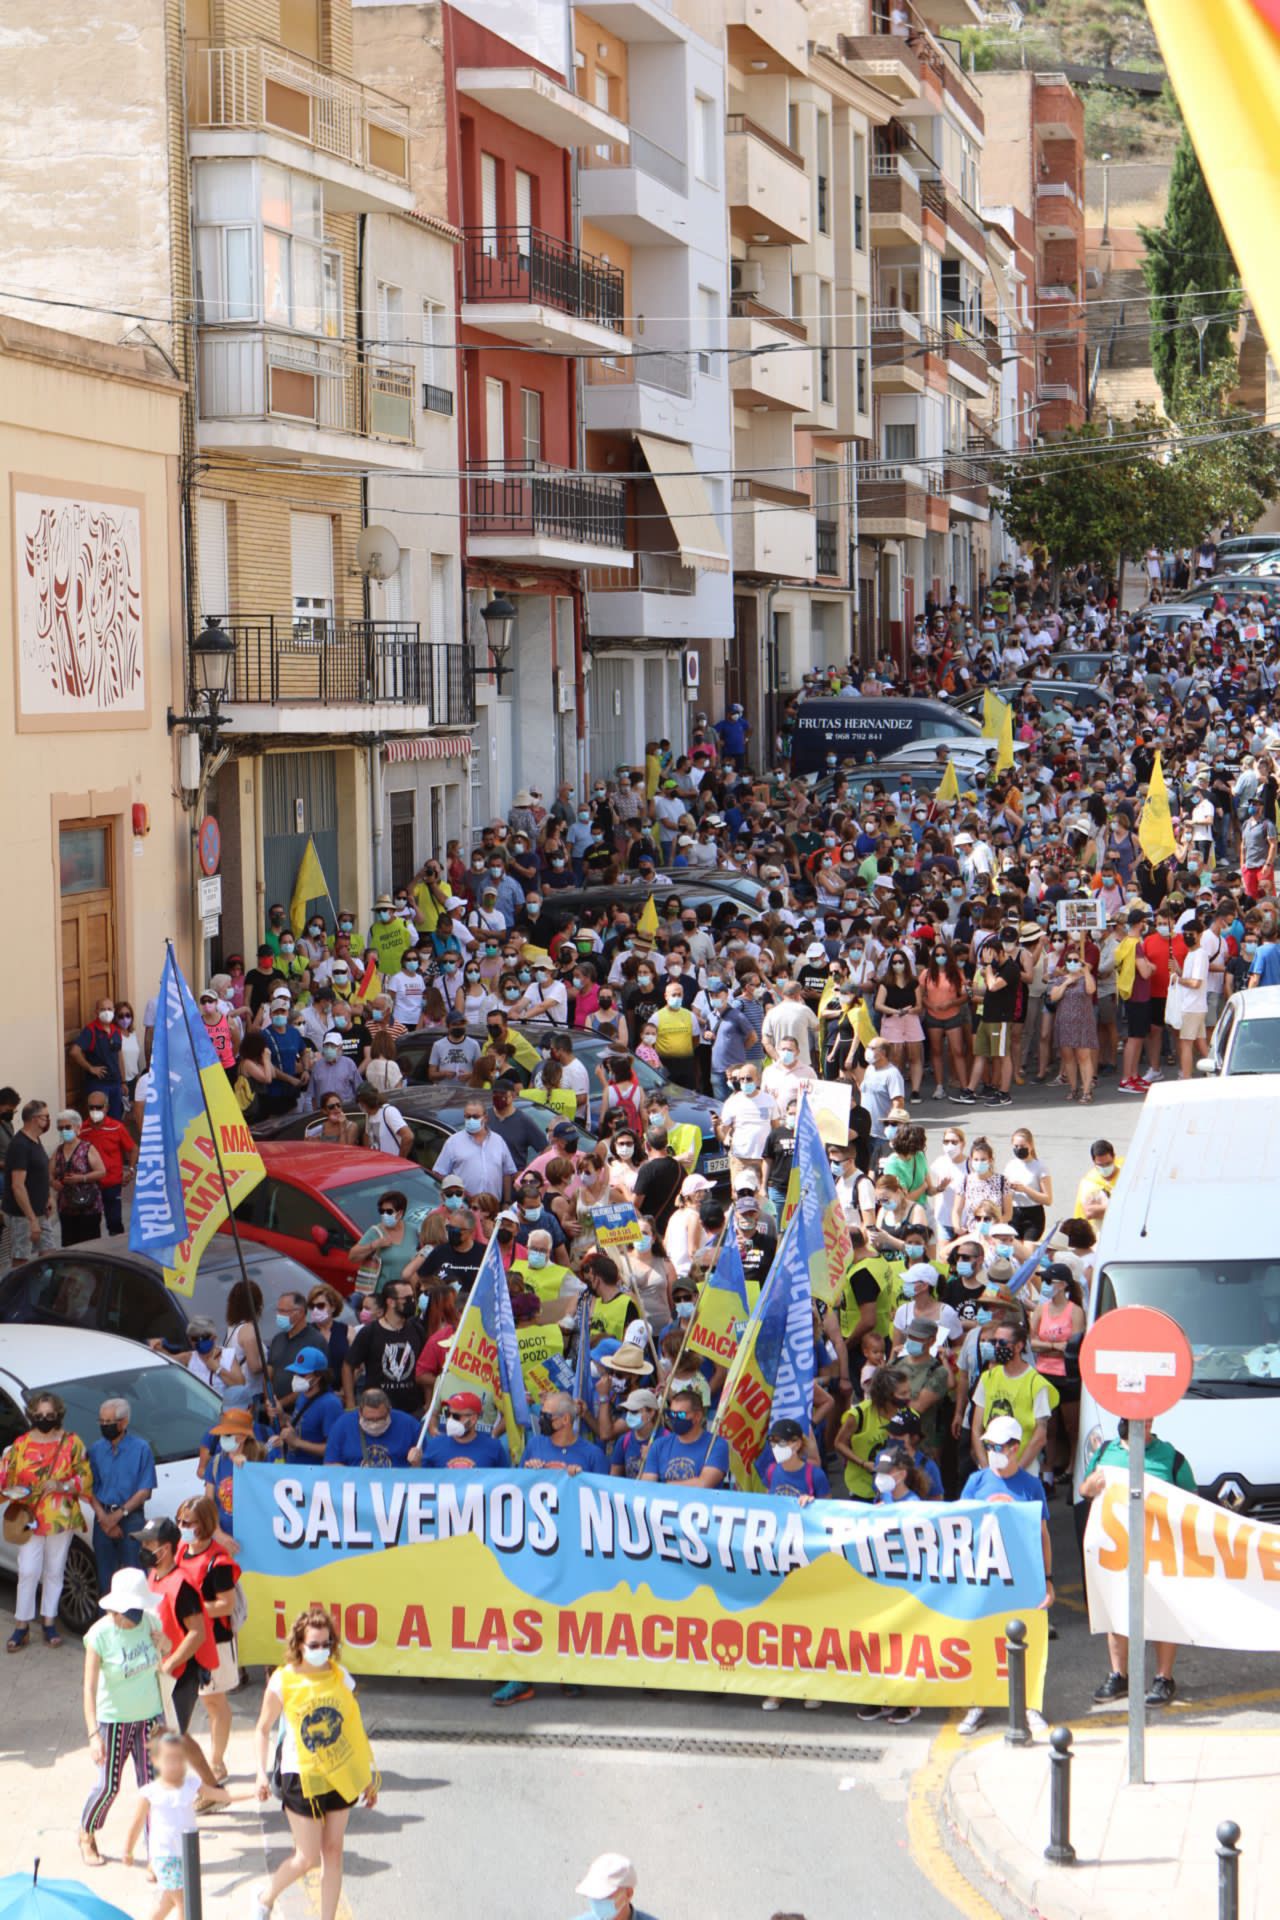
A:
[95,846]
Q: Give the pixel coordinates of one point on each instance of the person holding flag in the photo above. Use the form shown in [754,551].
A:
[485,1354]
[772,1374]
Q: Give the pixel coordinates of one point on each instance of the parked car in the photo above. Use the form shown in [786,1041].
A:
[1240,548]
[869,728]
[317,1200]
[1246,1039]
[1087,668]
[1059,693]
[101,1285]
[970,754]
[169,1408]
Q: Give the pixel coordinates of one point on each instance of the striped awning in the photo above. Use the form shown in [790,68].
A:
[430,746]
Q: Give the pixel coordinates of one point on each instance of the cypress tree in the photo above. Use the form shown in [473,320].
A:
[1187,263]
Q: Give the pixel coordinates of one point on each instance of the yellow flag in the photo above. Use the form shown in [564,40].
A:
[309,885]
[1224,63]
[993,708]
[948,794]
[647,924]
[1155,826]
[1004,748]
[864,1025]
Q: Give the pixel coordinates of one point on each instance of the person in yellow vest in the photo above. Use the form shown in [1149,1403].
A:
[536,1270]
[612,1310]
[431,894]
[390,936]
[1011,1385]
[541,1347]
[679,1031]
[323,1763]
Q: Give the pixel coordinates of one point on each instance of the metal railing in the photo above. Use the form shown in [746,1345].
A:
[894,166]
[1057,390]
[644,154]
[524,265]
[895,320]
[263,373]
[739,123]
[745,306]
[1056,290]
[285,662]
[667,372]
[828,546]
[529,497]
[436,399]
[259,85]
[652,573]
[1057,190]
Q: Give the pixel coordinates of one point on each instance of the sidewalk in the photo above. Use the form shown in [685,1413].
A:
[1139,1849]
[46,1773]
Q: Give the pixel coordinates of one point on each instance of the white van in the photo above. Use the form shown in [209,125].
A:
[1191,1229]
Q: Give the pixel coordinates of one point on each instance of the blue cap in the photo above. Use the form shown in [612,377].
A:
[310,1360]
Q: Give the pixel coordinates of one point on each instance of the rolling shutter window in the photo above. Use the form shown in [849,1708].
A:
[311,538]
[211,544]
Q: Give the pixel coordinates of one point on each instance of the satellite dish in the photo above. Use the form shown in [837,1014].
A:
[377,553]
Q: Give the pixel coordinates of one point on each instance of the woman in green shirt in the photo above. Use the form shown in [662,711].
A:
[122,1701]
[909,1164]
[389,1241]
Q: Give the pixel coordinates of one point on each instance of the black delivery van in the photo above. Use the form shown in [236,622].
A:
[868,729]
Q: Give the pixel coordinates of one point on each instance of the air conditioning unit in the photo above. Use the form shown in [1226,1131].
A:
[747,276]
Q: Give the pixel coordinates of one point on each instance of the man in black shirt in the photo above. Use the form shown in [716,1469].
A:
[385,1351]
[457,1262]
[260,981]
[659,1179]
[27,1201]
[998,973]
[515,1124]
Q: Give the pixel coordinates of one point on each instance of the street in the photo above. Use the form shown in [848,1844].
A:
[631,1770]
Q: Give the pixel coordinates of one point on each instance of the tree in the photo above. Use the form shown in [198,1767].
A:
[1234,473]
[1079,499]
[1187,265]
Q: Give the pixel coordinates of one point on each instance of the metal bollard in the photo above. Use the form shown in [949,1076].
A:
[1060,1849]
[1228,1871]
[1017,1733]
[193,1895]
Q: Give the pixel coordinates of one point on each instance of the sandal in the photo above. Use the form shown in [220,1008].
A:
[18,1639]
[52,1638]
[219,1772]
[89,1849]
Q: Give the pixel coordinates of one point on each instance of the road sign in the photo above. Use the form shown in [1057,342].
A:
[1136,1362]
[209,845]
[209,925]
[210,887]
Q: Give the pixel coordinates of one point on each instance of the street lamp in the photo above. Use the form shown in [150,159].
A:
[499,618]
[1201,322]
[1106,200]
[213,658]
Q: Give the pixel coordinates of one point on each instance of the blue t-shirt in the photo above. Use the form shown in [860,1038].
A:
[986,1485]
[673,1459]
[314,1420]
[793,1483]
[1266,964]
[481,1450]
[887,1500]
[541,1453]
[286,1047]
[389,1449]
[627,1452]
[929,1468]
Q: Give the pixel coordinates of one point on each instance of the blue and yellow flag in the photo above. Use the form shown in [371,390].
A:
[485,1354]
[772,1374]
[196,1159]
[824,1233]
[722,1312]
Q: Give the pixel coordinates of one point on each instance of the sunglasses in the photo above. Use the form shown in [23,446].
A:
[332,1106]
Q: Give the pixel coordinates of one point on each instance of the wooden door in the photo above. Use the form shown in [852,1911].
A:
[87,885]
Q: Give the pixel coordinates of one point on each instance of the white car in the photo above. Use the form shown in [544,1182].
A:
[1247,1036]
[968,750]
[169,1408]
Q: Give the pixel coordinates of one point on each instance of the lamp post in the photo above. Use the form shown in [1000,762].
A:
[1201,323]
[212,658]
[499,618]
[1106,200]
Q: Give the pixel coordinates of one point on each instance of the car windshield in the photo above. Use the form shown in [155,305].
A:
[1256,1047]
[1228,1309]
[168,1407]
[359,1201]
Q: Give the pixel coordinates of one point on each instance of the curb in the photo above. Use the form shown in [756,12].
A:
[1041,1889]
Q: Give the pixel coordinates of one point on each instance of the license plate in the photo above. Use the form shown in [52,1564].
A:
[716,1166]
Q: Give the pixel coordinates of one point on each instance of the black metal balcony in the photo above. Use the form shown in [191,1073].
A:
[828,546]
[522,265]
[525,498]
[349,663]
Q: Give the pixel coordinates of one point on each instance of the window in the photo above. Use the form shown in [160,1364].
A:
[489,203]
[708,331]
[601,88]
[260,252]
[437,360]
[531,423]
[440,624]
[524,209]
[706,143]
[495,428]
[211,555]
[900,441]
[311,569]
[388,318]
[825,379]
[300,27]
[331,289]
[824,172]
[862,342]
[859,191]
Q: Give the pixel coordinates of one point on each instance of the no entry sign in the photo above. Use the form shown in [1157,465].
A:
[1136,1362]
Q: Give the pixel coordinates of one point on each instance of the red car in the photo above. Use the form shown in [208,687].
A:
[317,1200]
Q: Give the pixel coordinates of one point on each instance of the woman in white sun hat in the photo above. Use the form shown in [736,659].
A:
[122,1700]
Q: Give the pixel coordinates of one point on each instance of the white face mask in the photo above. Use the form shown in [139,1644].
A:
[300,1382]
[316,1656]
[997,1457]
[783,1454]
[318,1315]
[884,1483]
[230,1443]
[456,1429]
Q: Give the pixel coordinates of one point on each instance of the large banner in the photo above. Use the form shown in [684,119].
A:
[608,1582]
[1213,1577]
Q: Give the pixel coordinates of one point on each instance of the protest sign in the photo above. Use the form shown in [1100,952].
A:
[607,1582]
[616,1226]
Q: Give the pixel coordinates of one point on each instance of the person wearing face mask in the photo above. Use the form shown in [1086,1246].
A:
[609,1887]
[211,1569]
[384,1353]
[744,1123]
[77,1173]
[536,1270]
[407,987]
[45,1474]
[1000,1477]
[514,1124]
[786,1074]
[984,1188]
[679,1032]
[229,1445]
[191,1653]
[639,1414]
[318,1783]
[121,1696]
[390,936]
[1073,994]
[124,1478]
[373,1433]
[686,1454]
[456,1263]
[1104,1171]
[1056,1319]
[290,1055]
[458,1444]
[481,1159]
[1011,1384]
[96,1050]
[788,1475]
[947,1175]
[335,1078]
[292,1333]
[316,1408]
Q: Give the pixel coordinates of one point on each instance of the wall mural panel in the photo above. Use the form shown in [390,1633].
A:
[81,627]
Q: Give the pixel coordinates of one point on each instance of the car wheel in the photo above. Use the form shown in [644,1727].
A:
[79,1606]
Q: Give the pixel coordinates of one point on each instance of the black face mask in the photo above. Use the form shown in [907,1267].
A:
[109,1429]
[45,1422]
[1022,1153]
[546,1423]
[454,1236]
[134,1616]
[148,1556]
[1004,1353]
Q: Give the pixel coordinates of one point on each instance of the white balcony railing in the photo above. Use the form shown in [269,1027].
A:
[644,154]
[894,166]
[262,86]
[1057,190]
[895,320]
[260,373]
[1057,390]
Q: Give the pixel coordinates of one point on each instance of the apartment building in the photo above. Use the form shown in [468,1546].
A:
[1033,177]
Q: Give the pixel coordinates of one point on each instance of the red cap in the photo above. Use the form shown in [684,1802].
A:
[465,1402]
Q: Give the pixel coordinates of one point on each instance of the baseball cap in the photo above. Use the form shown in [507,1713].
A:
[333,1038]
[786,1430]
[1004,1429]
[452,1183]
[465,1402]
[1056,1270]
[607,1874]
[815,951]
[310,1360]
[642,1399]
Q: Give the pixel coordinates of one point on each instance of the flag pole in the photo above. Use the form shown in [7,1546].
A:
[222,1172]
